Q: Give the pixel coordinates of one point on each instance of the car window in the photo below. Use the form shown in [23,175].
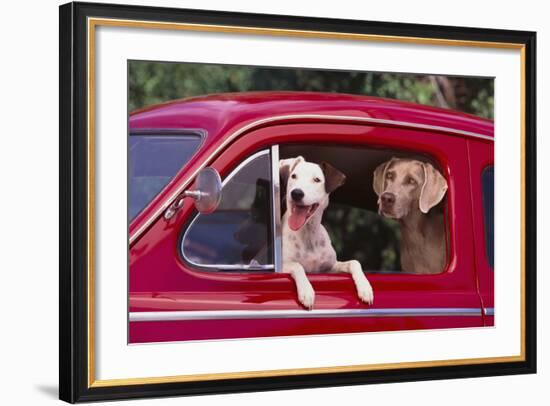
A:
[238,234]
[356,228]
[153,160]
[487,181]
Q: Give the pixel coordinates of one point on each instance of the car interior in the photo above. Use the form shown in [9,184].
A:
[356,229]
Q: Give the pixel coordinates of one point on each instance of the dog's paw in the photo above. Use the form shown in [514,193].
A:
[306,296]
[365,293]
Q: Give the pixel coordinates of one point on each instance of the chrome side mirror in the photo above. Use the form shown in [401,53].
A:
[207,194]
[209,190]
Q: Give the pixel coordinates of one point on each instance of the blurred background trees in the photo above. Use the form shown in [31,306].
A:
[155,82]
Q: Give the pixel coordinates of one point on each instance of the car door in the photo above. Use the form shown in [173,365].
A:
[176,297]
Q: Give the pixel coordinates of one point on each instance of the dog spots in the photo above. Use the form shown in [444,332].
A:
[297,246]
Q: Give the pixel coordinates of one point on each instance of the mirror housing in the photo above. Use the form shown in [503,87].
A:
[208,192]
[207,195]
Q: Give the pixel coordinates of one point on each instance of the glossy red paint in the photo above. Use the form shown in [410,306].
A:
[481,155]
[161,281]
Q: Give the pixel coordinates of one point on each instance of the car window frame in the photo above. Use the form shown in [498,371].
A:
[275,219]
[447,153]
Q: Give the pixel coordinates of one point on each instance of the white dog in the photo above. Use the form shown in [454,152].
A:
[306,243]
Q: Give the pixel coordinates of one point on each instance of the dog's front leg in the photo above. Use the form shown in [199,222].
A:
[306,294]
[353,267]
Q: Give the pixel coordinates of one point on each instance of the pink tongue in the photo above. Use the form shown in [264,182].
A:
[298,217]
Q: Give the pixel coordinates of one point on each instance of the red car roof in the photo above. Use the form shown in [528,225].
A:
[219,113]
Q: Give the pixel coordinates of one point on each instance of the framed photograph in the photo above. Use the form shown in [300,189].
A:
[257,202]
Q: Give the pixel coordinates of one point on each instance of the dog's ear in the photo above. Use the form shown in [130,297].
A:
[433,189]
[380,175]
[333,177]
[286,166]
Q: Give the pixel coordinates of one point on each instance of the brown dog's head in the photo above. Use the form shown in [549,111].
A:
[402,185]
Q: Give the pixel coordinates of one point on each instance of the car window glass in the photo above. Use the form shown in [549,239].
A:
[238,234]
[153,160]
[487,180]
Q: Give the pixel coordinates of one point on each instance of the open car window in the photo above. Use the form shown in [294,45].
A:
[241,234]
[356,229]
[238,235]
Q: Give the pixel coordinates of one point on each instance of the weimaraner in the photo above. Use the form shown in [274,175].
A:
[407,190]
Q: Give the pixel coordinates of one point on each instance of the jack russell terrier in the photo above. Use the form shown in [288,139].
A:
[306,243]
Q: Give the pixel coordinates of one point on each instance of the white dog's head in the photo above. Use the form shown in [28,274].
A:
[308,186]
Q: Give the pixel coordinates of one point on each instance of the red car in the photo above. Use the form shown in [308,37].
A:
[198,273]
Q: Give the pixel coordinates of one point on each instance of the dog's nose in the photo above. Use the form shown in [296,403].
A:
[388,199]
[297,194]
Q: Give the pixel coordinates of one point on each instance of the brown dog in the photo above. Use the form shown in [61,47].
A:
[407,189]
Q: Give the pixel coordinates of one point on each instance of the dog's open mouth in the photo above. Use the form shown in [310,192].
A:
[385,212]
[299,214]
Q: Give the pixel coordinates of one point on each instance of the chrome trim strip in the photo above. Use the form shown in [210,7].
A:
[276,210]
[228,267]
[274,119]
[489,311]
[299,314]
[243,164]
[198,132]
[237,267]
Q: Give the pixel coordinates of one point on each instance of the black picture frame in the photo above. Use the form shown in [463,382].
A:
[73,256]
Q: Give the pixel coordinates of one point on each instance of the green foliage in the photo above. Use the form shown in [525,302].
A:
[363,235]
[400,86]
[152,82]
[155,82]
[483,102]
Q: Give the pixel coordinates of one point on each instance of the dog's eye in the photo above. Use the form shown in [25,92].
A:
[316,180]
[412,181]
[389,175]
[293,176]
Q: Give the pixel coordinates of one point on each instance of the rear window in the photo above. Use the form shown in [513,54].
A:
[153,160]
[487,181]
